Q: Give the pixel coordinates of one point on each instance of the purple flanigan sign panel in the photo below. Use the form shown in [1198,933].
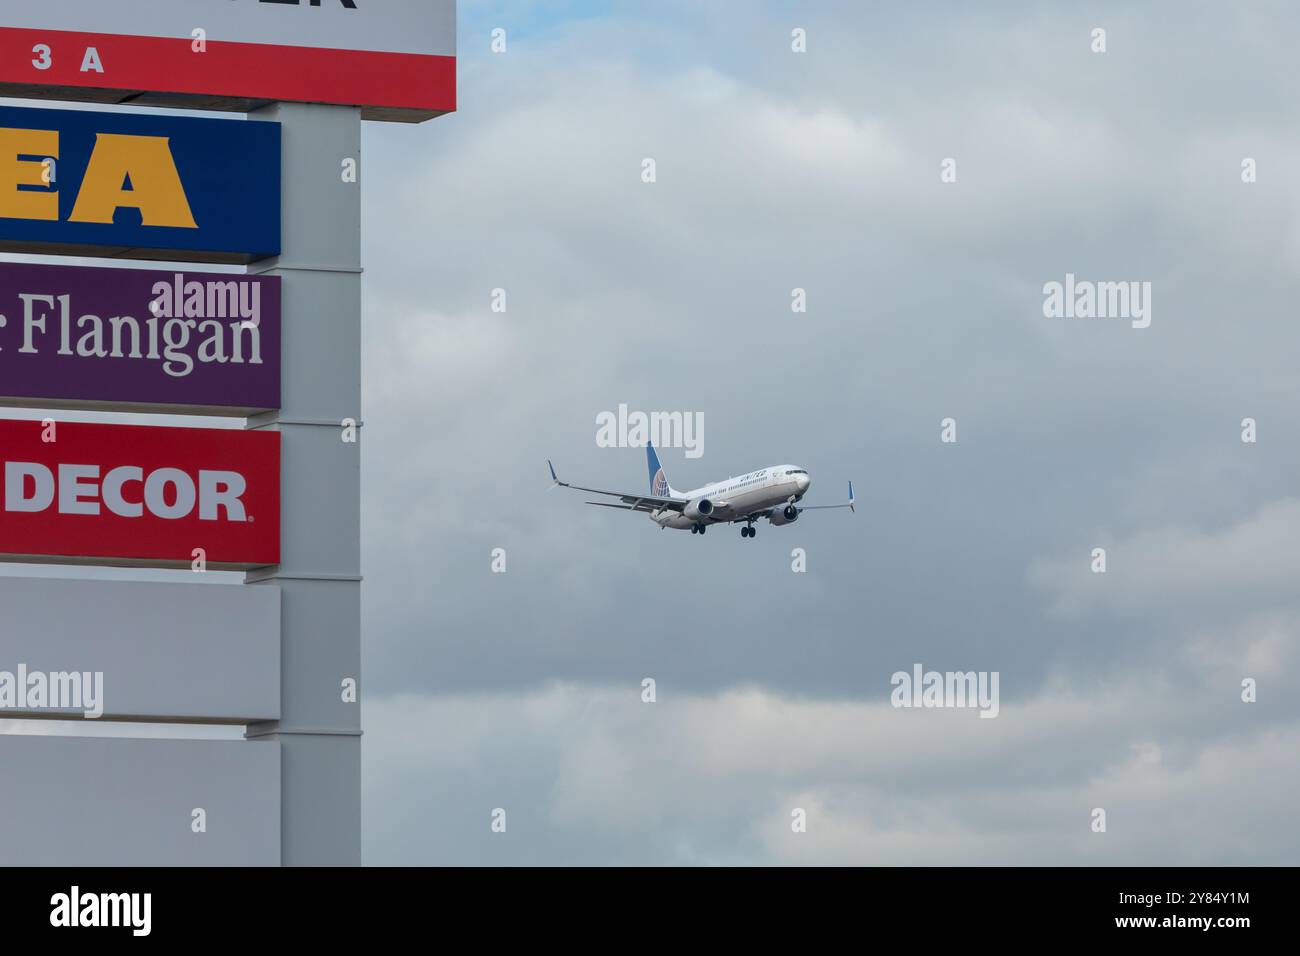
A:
[130,339]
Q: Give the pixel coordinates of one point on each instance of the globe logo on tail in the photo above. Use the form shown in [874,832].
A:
[659,487]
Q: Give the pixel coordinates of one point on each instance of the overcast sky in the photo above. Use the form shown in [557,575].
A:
[821,170]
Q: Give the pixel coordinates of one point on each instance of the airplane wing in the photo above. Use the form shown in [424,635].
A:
[847,504]
[767,512]
[628,502]
[824,507]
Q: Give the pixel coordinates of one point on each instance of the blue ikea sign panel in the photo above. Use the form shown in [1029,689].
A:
[85,183]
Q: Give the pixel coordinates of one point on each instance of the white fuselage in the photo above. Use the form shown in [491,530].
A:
[737,497]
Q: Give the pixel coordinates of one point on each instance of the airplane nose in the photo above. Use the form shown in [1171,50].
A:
[803,481]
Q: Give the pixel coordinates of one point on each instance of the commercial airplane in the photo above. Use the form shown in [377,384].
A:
[770,493]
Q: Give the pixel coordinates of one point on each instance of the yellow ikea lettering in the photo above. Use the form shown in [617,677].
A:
[156,188]
[15,172]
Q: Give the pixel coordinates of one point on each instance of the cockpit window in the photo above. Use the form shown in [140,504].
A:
[796,471]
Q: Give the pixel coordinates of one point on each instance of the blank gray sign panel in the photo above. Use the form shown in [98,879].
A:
[95,801]
[167,651]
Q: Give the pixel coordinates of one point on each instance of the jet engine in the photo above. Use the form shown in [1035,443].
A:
[698,509]
[785,515]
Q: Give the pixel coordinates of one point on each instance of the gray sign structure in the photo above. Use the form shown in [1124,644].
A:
[319,575]
[89,801]
[281,653]
[310,722]
[204,653]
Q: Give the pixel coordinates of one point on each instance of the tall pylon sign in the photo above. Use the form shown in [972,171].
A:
[273,197]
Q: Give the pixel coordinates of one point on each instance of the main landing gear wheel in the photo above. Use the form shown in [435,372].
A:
[748,531]
[697,529]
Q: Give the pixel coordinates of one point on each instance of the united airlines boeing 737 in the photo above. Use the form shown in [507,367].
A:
[772,493]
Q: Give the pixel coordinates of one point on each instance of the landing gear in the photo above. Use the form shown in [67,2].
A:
[697,529]
[748,531]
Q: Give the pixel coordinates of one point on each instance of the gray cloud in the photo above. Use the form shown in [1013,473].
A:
[821,171]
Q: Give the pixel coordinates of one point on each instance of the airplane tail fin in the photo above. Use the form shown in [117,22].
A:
[659,486]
